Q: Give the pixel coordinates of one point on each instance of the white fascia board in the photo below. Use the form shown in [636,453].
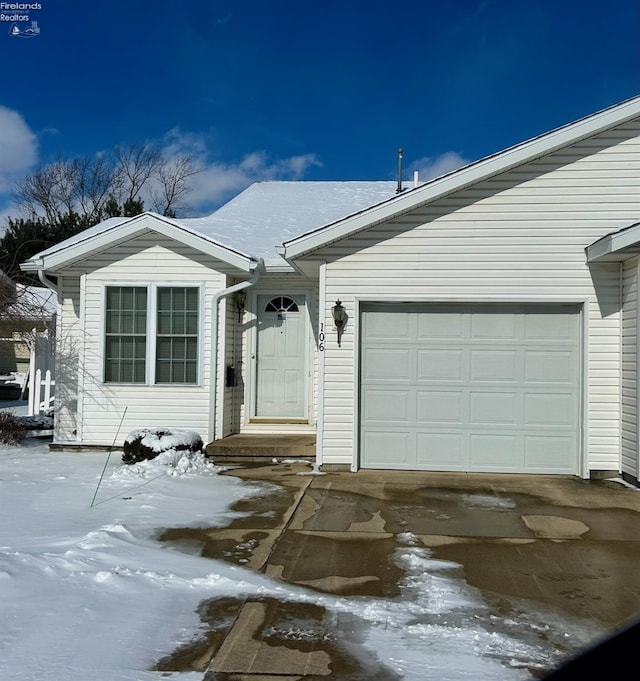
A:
[125,230]
[464,177]
[612,245]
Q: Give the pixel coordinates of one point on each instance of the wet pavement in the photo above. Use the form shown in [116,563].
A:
[552,562]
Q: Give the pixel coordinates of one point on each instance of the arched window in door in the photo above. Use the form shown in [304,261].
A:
[281,304]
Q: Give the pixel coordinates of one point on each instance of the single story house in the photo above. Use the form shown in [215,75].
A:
[485,321]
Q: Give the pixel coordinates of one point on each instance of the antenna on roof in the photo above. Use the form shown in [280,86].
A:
[400,153]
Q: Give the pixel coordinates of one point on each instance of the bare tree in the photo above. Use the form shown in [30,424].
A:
[59,199]
[93,188]
[95,181]
[46,190]
[171,187]
[137,165]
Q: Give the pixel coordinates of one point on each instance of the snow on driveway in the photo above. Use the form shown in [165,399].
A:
[86,591]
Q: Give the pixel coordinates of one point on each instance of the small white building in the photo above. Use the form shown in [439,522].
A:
[490,323]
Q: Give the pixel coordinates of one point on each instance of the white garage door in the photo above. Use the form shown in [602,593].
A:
[490,388]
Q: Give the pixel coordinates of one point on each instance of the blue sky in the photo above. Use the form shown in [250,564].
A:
[307,89]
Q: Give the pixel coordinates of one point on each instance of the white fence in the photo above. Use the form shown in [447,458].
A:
[41,373]
[41,389]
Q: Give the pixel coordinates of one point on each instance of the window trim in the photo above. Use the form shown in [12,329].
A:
[151,331]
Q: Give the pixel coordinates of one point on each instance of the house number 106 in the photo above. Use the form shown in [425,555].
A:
[321,338]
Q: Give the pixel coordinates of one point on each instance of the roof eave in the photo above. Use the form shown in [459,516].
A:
[616,246]
[464,177]
[59,259]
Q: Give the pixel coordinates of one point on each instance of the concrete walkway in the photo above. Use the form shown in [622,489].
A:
[560,543]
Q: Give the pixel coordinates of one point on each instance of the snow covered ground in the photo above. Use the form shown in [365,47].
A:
[87,593]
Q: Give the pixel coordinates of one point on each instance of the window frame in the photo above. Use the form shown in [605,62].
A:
[152,331]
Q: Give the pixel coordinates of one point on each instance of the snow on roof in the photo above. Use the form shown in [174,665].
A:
[82,236]
[267,214]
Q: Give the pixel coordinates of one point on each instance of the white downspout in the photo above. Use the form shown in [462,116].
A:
[47,283]
[223,293]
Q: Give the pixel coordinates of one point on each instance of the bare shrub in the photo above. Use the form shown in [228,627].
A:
[147,443]
[13,431]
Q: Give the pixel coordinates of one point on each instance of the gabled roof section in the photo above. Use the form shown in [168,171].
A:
[462,178]
[266,214]
[247,230]
[116,230]
[616,246]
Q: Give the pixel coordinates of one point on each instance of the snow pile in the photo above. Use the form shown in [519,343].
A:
[147,443]
[162,439]
[173,462]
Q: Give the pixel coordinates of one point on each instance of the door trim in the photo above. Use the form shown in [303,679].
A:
[251,393]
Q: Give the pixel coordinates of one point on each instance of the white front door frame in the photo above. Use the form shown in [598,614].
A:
[251,392]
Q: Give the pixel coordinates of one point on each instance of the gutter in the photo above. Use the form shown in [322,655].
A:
[223,293]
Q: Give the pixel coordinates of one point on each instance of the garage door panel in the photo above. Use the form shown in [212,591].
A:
[387,364]
[390,406]
[544,454]
[493,408]
[470,387]
[440,325]
[388,325]
[440,365]
[493,326]
[389,449]
[547,366]
[441,450]
[496,366]
[436,407]
[549,410]
[550,327]
[494,452]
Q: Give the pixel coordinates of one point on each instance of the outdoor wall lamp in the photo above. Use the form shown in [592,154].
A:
[339,318]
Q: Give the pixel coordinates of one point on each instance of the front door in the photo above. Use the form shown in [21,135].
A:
[281,359]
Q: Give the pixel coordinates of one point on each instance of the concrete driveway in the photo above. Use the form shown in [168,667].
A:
[545,544]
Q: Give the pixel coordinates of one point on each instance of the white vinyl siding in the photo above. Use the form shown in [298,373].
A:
[629,462]
[69,360]
[519,236]
[137,262]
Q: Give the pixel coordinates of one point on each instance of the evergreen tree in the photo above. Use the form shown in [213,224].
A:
[24,238]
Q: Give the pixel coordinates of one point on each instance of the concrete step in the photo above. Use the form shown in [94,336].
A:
[255,448]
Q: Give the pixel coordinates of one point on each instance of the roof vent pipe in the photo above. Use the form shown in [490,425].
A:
[416,178]
[400,152]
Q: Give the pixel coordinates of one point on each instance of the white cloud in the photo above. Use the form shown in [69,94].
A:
[431,167]
[18,148]
[218,181]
